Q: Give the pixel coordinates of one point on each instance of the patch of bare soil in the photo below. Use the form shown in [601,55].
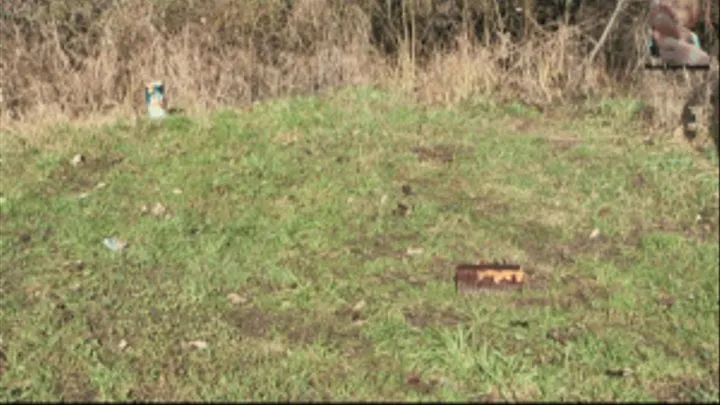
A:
[574,292]
[338,332]
[341,330]
[75,387]
[489,205]
[83,176]
[424,315]
[3,361]
[173,365]
[253,322]
[383,246]
[564,335]
[705,226]
[421,383]
[541,242]
[599,246]
[680,389]
[435,154]
[557,144]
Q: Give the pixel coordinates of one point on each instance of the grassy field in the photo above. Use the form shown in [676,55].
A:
[305,250]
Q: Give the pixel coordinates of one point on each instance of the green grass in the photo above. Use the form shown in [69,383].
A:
[293,207]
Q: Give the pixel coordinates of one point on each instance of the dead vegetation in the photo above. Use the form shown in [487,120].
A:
[69,60]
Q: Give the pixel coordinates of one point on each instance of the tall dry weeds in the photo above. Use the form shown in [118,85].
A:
[65,59]
[210,53]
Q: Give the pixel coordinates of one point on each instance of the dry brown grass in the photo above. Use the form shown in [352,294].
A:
[218,55]
[64,60]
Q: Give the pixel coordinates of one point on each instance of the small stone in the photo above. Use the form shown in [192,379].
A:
[198,344]
[177,191]
[236,298]
[359,306]
[414,251]
[123,344]
[158,210]
[594,234]
[77,160]
[276,348]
